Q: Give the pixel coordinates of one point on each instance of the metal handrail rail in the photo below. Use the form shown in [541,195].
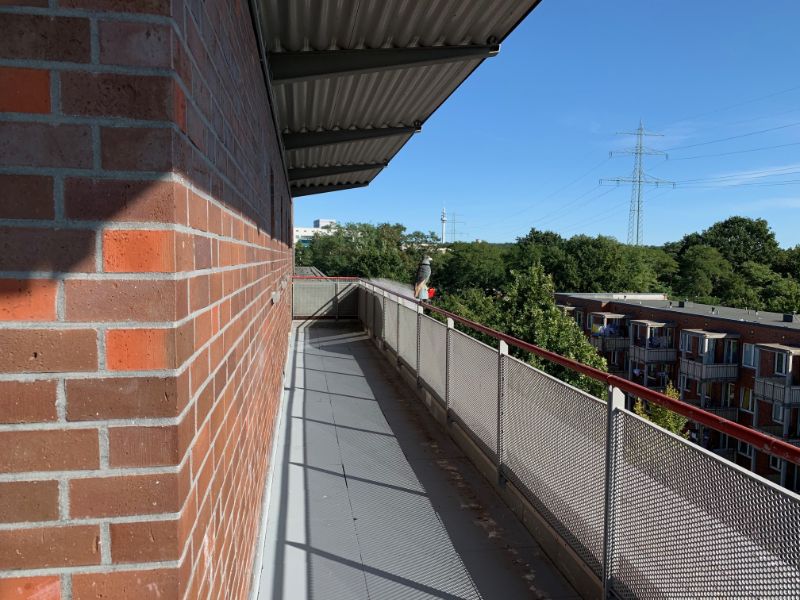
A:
[758,440]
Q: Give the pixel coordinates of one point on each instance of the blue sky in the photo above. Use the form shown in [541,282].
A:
[524,141]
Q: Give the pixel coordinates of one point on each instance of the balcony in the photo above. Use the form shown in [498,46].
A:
[610,343]
[726,412]
[711,371]
[775,389]
[410,453]
[653,355]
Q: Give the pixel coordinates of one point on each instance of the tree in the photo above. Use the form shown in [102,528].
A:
[663,417]
[472,265]
[702,270]
[740,239]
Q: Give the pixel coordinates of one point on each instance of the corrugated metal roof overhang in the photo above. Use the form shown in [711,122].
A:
[378,98]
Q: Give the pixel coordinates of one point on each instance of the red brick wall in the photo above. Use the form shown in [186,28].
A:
[144,226]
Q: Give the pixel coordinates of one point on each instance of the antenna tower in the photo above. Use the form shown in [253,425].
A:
[444,225]
[638,180]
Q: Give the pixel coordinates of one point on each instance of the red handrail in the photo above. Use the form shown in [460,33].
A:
[761,441]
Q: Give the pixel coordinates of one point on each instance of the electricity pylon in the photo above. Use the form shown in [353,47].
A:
[638,179]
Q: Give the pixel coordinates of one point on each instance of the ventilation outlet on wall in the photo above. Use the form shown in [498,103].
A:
[276,297]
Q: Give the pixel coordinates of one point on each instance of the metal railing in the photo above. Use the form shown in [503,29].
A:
[610,343]
[650,513]
[775,389]
[705,371]
[646,355]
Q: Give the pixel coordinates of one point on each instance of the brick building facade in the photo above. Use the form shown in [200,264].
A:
[743,365]
[145,258]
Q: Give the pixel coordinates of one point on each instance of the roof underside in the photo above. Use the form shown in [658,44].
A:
[371,70]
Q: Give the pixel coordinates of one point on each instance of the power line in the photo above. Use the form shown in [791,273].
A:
[735,137]
[736,152]
[736,105]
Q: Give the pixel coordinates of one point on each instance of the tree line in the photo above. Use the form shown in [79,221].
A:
[509,287]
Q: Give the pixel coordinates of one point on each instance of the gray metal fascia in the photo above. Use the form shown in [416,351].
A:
[293,141]
[321,189]
[289,67]
[309,172]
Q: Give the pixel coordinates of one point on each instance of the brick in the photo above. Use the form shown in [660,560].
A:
[47,350]
[136,148]
[198,212]
[122,496]
[26,197]
[144,446]
[45,145]
[41,249]
[31,588]
[202,252]
[138,251]
[199,292]
[140,349]
[122,300]
[156,7]
[159,584]
[49,450]
[135,44]
[28,501]
[50,547]
[27,300]
[27,402]
[112,95]
[40,37]
[145,542]
[24,90]
[118,200]
[124,398]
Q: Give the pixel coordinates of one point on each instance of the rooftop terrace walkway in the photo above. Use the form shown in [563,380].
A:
[371,500]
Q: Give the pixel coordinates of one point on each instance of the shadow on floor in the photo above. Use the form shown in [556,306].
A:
[371,500]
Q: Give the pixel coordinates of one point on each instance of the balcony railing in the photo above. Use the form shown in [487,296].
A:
[774,389]
[653,355]
[610,343]
[726,412]
[578,460]
[702,371]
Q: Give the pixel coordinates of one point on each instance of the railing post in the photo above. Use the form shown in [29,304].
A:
[502,354]
[397,326]
[336,300]
[447,345]
[614,402]
[383,319]
[420,312]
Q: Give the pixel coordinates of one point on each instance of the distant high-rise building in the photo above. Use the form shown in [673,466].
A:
[304,235]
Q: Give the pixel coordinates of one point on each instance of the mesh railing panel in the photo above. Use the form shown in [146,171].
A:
[554,449]
[407,343]
[313,299]
[390,331]
[687,524]
[433,354]
[348,300]
[473,388]
[377,316]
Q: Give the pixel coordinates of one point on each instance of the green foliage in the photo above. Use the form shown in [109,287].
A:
[476,265]
[663,417]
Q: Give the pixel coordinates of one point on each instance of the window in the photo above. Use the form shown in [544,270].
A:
[749,356]
[731,349]
[730,394]
[745,449]
[780,363]
[775,463]
[746,399]
[683,382]
[579,318]
[777,412]
[684,342]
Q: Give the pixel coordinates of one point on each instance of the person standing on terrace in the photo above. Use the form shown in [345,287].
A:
[423,275]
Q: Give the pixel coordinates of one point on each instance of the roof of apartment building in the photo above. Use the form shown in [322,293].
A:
[662,303]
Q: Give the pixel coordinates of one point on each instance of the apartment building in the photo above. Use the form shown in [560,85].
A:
[743,365]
